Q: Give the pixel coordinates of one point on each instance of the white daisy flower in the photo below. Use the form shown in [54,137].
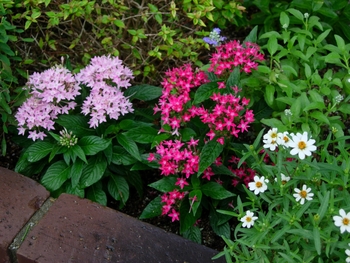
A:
[248,219]
[303,194]
[347,252]
[270,139]
[284,179]
[259,185]
[301,145]
[283,139]
[342,221]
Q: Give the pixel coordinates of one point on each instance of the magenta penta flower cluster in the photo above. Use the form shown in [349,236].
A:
[53,92]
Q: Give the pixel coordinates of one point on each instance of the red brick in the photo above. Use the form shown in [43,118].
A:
[78,230]
[20,198]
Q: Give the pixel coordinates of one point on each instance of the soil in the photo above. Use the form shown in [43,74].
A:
[136,204]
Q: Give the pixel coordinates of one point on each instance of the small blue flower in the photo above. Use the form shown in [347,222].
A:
[214,38]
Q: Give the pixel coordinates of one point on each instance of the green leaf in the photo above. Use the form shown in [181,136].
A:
[95,193]
[142,134]
[195,198]
[272,45]
[317,239]
[55,176]
[319,116]
[252,36]
[344,108]
[93,171]
[129,145]
[333,58]
[93,144]
[143,92]
[187,219]
[269,95]
[76,172]
[187,134]
[340,43]
[233,79]
[166,184]
[208,155]
[118,188]
[78,151]
[215,191]
[322,36]
[77,124]
[205,91]
[39,150]
[275,124]
[153,209]
[284,20]
[296,13]
[193,233]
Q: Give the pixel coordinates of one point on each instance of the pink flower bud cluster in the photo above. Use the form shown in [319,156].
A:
[233,54]
[52,92]
[106,76]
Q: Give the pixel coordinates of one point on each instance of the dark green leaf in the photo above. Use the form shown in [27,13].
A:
[215,191]
[142,134]
[93,171]
[77,124]
[95,193]
[153,209]
[55,176]
[129,145]
[194,234]
[76,172]
[38,150]
[233,79]
[205,91]
[118,188]
[143,92]
[166,184]
[93,144]
[208,155]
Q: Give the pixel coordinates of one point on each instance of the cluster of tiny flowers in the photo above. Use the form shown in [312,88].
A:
[178,157]
[299,143]
[105,76]
[214,38]
[51,93]
[170,200]
[233,54]
[176,94]
[67,138]
[225,118]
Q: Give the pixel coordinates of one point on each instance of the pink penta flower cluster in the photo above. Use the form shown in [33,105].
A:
[52,92]
[106,76]
[226,118]
[233,54]
[170,201]
[177,86]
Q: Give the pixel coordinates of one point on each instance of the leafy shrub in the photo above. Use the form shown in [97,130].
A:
[8,78]
[147,36]
[88,139]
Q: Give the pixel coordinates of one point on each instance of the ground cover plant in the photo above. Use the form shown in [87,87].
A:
[255,137]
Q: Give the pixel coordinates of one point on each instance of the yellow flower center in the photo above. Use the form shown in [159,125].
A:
[346,221]
[258,184]
[303,193]
[273,135]
[284,182]
[286,139]
[248,219]
[302,145]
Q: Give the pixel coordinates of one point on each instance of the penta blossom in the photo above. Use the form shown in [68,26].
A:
[303,194]
[342,221]
[248,219]
[259,185]
[301,145]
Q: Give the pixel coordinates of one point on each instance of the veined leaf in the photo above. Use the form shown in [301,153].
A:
[205,91]
[208,155]
[93,144]
[93,171]
[118,188]
[95,193]
[39,150]
[129,145]
[153,209]
[55,176]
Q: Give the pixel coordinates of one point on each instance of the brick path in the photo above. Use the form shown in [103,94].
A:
[35,228]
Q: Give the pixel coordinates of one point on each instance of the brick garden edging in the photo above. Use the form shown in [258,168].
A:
[71,229]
